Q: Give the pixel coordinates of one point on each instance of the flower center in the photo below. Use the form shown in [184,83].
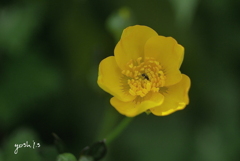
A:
[143,76]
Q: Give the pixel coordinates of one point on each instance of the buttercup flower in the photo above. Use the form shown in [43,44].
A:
[143,75]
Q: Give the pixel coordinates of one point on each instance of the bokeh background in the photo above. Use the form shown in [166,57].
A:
[49,56]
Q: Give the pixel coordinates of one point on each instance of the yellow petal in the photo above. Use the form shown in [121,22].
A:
[132,108]
[170,55]
[175,98]
[173,76]
[131,44]
[109,79]
[179,50]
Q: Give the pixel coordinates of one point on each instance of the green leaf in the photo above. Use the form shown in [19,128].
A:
[66,157]
[86,158]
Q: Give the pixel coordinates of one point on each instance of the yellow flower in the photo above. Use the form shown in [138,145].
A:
[143,75]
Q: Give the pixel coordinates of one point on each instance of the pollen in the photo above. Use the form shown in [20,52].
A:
[143,75]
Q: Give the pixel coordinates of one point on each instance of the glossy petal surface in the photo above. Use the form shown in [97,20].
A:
[175,98]
[169,54]
[109,79]
[132,108]
[131,45]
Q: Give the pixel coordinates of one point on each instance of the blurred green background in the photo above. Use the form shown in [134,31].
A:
[49,56]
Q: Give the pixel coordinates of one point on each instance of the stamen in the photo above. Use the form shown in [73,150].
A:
[143,76]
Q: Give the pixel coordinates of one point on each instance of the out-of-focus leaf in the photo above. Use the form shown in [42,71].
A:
[120,20]
[66,157]
[86,158]
[184,11]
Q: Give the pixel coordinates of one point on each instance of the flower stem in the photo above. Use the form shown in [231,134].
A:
[119,129]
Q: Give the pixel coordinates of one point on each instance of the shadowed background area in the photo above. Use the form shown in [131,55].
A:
[49,57]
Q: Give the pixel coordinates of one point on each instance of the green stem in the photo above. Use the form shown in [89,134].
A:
[118,130]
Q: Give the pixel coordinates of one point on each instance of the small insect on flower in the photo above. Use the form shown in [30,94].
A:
[144,74]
